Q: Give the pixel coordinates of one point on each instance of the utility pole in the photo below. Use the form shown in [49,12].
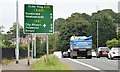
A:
[17,38]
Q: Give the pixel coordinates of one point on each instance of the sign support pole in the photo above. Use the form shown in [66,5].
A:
[32,46]
[35,46]
[28,50]
[47,46]
[35,41]
[17,38]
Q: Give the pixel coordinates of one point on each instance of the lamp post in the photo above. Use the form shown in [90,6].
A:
[97,33]
[17,39]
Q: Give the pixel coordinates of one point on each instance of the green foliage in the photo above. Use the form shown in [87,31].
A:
[2,45]
[12,33]
[21,46]
[50,63]
[54,42]
[6,43]
[77,25]
[106,28]
[119,33]
[1,29]
[58,23]
[113,43]
[40,46]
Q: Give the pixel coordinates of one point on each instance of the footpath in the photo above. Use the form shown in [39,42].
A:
[23,65]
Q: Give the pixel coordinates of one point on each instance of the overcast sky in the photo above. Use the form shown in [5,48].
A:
[61,8]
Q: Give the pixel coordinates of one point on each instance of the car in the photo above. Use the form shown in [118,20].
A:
[58,54]
[114,53]
[68,53]
[65,54]
[93,53]
[102,52]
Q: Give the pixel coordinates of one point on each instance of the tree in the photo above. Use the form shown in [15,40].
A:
[76,24]
[113,43]
[12,32]
[58,23]
[5,40]
[119,33]
[107,28]
[1,29]
[40,47]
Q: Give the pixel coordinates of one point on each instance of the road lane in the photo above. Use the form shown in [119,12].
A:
[101,63]
[91,64]
[74,65]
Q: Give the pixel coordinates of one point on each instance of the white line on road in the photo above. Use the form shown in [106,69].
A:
[87,65]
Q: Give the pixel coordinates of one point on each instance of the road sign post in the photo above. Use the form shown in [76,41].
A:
[28,49]
[38,19]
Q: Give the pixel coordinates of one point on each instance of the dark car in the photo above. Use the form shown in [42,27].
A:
[102,52]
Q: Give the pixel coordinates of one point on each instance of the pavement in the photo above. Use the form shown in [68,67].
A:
[23,65]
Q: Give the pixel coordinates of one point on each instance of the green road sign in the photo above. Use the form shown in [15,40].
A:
[38,18]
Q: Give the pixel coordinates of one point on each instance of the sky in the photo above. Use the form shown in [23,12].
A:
[61,8]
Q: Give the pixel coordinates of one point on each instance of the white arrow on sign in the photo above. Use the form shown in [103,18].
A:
[44,25]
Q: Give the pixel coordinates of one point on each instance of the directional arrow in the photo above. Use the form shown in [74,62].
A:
[44,25]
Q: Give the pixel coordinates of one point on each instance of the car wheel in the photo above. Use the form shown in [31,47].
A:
[88,57]
[75,57]
[98,56]
[111,57]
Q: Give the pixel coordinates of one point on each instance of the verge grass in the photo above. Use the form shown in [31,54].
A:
[49,63]
[6,61]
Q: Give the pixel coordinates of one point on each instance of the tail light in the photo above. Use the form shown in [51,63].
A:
[113,52]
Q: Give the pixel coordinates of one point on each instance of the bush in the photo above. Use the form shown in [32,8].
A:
[2,45]
[21,46]
[113,43]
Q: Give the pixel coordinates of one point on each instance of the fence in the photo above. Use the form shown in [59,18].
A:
[9,53]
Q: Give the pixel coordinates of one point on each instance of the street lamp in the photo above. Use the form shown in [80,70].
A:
[97,33]
[17,38]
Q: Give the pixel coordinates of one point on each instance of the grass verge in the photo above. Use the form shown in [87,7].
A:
[6,61]
[50,63]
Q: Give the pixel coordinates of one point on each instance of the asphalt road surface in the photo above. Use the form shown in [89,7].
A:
[99,64]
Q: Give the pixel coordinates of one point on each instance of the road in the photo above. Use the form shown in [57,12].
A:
[99,64]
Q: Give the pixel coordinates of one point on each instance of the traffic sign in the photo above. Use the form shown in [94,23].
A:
[38,18]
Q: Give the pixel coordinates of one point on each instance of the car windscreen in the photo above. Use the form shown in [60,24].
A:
[104,49]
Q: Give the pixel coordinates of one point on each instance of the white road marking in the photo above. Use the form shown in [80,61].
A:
[87,65]
[112,61]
